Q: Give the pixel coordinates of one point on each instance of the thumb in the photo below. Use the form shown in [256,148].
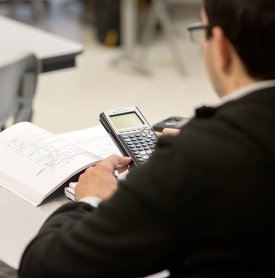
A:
[125,160]
[158,134]
[116,161]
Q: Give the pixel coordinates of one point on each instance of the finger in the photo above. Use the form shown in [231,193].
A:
[125,160]
[158,134]
[170,131]
[114,161]
[122,169]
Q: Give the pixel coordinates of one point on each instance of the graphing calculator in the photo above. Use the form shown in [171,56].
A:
[131,132]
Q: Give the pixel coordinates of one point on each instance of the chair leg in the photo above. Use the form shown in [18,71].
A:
[158,14]
[170,32]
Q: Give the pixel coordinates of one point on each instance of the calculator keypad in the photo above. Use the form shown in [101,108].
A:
[141,144]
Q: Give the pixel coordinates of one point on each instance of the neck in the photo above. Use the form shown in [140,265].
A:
[236,76]
[239,83]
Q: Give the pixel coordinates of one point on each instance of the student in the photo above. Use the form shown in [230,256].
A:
[204,203]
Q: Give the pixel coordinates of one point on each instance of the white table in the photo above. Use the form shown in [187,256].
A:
[20,221]
[53,51]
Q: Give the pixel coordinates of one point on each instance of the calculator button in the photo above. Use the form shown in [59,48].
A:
[143,152]
[140,160]
[146,157]
[149,152]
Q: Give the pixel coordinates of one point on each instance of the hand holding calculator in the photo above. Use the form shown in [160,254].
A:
[131,132]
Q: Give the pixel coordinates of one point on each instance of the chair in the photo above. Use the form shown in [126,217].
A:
[7,271]
[18,78]
[37,6]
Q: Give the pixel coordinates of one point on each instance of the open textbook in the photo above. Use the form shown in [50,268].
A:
[35,162]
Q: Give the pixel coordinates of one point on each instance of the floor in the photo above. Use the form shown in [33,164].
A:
[72,99]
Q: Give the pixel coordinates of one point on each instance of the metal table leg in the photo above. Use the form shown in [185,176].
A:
[158,13]
[129,30]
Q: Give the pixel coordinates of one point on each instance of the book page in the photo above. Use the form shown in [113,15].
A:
[94,139]
[34,162]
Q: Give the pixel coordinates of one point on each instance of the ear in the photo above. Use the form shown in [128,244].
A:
[222,50]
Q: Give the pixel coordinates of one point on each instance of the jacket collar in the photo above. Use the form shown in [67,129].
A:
[246,90]
[208,111]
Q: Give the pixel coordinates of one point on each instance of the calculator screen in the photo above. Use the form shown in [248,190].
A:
[128,120]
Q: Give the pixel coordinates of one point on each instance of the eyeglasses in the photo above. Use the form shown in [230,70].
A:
[197,32]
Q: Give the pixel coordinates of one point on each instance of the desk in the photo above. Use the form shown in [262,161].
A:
[54,52]
[20,221]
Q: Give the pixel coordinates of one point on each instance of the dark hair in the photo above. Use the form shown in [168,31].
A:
[250,26]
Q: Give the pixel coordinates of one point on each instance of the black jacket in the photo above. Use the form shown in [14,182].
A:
[202,206]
